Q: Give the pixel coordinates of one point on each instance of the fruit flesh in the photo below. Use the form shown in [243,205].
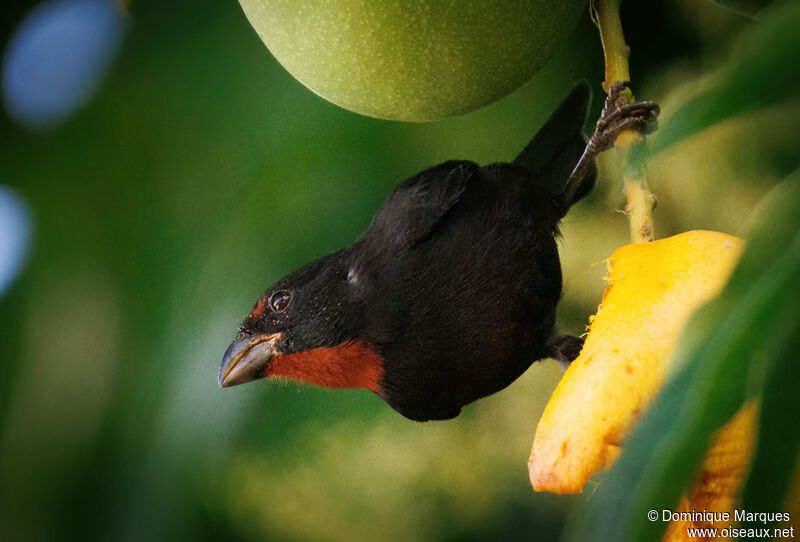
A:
[653,289]
[720,477]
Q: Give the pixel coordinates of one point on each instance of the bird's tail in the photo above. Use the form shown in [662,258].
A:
[557,147]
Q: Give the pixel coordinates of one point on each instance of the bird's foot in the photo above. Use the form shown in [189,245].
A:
[620,115]
[565,348]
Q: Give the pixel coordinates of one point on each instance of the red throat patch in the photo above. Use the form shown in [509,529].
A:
[348,365]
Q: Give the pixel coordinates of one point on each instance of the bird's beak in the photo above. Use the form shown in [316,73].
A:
[246,359]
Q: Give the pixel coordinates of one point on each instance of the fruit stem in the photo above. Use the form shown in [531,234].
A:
[629,145]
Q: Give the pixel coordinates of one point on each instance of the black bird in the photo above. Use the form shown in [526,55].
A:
[451,293]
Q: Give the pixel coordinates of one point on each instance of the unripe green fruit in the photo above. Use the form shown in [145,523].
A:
[413,60]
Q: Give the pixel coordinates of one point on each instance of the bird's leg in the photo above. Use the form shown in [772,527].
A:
[565,348]
[618,115]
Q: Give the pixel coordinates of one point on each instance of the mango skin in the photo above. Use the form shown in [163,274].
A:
[413,60]
[653,290]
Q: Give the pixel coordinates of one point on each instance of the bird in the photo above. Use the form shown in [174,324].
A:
[451,293]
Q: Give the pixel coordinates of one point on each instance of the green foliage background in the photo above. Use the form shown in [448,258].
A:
[202,172]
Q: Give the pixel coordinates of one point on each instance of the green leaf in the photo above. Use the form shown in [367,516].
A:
[748,8]
[753,323]
[778,439]
[762,72]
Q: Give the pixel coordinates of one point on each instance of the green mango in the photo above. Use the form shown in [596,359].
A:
[413,60]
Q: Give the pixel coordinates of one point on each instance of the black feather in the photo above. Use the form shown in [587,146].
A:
[456,281]
[556,148]
[416,206]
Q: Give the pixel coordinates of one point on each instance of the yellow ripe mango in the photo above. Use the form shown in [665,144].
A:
[652,290]
[717,484]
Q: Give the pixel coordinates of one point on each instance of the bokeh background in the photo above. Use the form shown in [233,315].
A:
[184,172]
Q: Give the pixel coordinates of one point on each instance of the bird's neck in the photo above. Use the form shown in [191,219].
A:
[348,365]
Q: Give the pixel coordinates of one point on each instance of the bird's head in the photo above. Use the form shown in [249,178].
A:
[306,327]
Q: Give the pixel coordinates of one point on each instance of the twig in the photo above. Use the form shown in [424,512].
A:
[629,145]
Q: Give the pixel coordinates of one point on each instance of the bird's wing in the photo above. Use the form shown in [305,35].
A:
[413,209]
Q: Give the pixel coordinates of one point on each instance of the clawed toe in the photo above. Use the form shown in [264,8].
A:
[620,115]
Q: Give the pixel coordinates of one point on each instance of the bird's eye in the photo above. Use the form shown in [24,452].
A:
[279,301]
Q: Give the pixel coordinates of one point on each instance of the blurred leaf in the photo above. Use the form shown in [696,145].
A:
[756,323]
[778,445]
[748,8]
[759,74]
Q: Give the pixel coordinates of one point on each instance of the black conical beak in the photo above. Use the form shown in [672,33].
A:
[246,359]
